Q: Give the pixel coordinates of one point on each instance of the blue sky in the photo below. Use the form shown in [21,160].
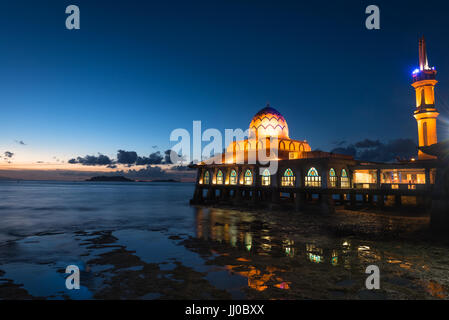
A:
[139,69]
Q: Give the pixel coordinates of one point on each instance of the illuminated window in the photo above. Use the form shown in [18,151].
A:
[219,177]
[313,179]
[266,178]
[332,178]
[206,177]
[288,180]
[344,179]
[248,177]
[233,177]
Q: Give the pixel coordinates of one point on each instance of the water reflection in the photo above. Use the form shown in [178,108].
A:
[273,255]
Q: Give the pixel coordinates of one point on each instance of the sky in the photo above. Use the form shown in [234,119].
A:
[136,70]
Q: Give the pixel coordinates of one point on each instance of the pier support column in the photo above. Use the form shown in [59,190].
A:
[255,196]
[210,194]
[370,199]
[380,200]
[299,201]
[397,201]
[326,203]
[353,199]
[197,196]
[275,196]
[342,198]
[439,213]
[238,194]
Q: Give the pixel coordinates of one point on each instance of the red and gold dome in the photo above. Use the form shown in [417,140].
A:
[268,122]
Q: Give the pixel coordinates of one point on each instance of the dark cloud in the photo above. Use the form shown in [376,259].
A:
[126,157]
[154,158]
[129,159]
[339,143]
[171,157]
[8,154]
[367,143]
[349,150]
[374,150]
[101,160]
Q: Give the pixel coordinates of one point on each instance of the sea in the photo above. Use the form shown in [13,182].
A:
[143,240]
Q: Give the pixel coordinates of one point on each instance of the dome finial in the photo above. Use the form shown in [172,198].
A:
[268,104]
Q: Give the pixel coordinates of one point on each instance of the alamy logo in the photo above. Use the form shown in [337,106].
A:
[372,22]
[72,21]
[73,280]
[373,280]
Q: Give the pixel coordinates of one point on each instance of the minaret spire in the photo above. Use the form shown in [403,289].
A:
[423,62]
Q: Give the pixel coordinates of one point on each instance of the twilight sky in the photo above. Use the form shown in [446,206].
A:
[139,69]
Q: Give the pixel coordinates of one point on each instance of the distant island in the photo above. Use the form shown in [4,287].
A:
[110,178]
[165,180]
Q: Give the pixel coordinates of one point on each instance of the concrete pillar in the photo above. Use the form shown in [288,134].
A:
[210,194]
[397,201]
[439,213]
[326,203]
[299,201]
[342,198]
[380,200]
[353,199]
[275,195]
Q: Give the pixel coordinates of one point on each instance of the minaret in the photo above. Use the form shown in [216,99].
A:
[425,114]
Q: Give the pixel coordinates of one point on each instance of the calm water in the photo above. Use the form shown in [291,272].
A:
[144,241]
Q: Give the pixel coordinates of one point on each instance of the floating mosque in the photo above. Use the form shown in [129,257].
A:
[270,168]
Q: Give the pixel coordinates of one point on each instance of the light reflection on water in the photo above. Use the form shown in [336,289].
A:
[249,254]
[232,234]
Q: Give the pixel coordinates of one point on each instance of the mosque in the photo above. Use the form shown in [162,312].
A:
[302,176]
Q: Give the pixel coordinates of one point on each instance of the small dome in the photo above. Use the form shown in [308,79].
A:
[268,122]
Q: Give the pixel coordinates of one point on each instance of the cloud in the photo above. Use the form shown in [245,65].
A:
[154,158]
[8,154]
[367,143]
[20,142]
[126,157]
[374,150]
[101,160]
[349,150]
[339,143]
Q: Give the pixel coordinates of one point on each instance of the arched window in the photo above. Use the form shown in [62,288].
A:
[344,179]
[219,177]
[233,177]
[282,145]
[288,179]
[313,179]
[291,146]
[248,177]
[266,177]
[332,178]
[206,177]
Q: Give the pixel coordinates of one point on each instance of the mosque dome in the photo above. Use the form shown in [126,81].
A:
[268,122]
